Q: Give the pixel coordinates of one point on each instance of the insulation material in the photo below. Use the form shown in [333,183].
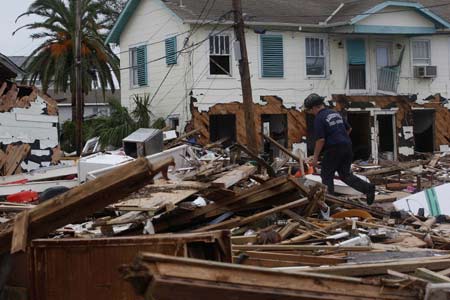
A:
[31,119]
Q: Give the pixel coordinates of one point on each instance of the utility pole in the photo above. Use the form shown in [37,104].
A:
[244,71]
[78,89]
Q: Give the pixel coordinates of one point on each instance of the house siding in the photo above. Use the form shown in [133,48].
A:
[153,22]
[192,70]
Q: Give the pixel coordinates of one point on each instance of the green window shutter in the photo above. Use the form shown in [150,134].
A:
[141,53]
[171,51]
[272,59]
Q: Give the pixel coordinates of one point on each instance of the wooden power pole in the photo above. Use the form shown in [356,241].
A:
[245,78]
[78,89]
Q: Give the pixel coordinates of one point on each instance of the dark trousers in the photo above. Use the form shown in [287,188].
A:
[339,158]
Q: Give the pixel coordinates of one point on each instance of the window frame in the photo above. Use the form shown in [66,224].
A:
[325,56]
[230,54]
[428,41]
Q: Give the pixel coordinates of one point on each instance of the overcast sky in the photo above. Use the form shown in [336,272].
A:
[20,43]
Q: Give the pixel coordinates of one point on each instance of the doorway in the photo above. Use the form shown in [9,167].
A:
[360,135]
[386,137]
[222,126]
[424,130]
[275,126]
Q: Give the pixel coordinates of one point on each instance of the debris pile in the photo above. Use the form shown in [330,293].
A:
[270,231]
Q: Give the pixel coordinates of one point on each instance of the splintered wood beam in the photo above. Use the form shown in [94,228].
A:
[218,207]
[258,216]
[259,160]
[165,277]
[431,276]
[282,148]
[382,267]
[85,199]
[232,177]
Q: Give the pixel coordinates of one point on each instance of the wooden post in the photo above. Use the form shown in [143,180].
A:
[244,71]
[79,104]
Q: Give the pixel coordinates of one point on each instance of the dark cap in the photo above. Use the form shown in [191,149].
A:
[313,100]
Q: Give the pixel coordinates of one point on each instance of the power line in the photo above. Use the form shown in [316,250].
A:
[184,49]
[194,29]
[181,33]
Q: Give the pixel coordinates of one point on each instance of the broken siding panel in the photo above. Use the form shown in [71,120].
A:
[32,120]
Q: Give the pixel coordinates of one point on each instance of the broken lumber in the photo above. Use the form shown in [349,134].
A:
[431,276]
[232,177]
[85,199]
[392,169]
[157,276]
[260,215]
[381,267]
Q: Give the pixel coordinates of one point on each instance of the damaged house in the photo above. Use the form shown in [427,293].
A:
[384,64]
[28,124]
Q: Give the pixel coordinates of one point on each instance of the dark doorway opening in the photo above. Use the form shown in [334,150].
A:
[222,126]
[275,126]
[360,135]
[386,133]
[424,130]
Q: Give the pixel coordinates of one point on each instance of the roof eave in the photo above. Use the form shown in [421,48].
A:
[124,17]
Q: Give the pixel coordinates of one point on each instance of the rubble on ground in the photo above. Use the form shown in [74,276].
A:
[269,226]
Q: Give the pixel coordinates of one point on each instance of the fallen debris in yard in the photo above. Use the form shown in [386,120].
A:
[286,236]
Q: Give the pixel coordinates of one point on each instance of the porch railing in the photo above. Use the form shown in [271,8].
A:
[388,78]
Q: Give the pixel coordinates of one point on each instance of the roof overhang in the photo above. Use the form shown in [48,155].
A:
[437,20]
[8,69]
[119,26]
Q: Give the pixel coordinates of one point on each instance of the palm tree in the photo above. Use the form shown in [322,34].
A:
[52,62]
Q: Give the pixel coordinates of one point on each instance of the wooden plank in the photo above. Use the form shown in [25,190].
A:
[260,215]
[15,156]
[20,233]
[266,263]
[282,148]
[155,201]
[431,276]
[299,248]
[445,272]
[380,268]
[86,199]
[164,223]
[302,259]
[263,282]
[234,176]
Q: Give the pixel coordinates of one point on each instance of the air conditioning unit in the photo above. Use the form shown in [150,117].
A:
[425,71]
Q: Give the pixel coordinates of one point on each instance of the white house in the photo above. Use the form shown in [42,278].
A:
[173,49]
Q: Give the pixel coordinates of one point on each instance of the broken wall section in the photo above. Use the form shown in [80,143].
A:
[420,126]
[28,129]
[227,119]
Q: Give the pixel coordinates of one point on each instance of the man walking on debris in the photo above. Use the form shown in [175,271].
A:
[331,132]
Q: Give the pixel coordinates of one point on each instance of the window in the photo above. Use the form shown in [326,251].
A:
[171,51]
[219,55]
[272,59]
[138,66]
[421,53]
[315,57]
